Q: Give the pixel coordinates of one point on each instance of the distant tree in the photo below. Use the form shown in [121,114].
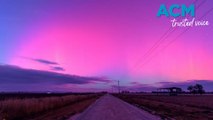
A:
[196,89]
[199,88]
[190,88]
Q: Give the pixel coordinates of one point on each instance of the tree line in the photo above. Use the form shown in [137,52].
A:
[196,89]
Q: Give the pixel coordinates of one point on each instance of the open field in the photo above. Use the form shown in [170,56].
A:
[182,107]
[44,107]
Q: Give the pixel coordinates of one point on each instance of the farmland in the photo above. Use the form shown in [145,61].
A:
[43,106]
[181,107]
[61,106]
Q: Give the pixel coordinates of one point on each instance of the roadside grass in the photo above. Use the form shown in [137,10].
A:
[29,108]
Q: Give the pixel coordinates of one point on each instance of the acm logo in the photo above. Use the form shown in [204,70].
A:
[170,12]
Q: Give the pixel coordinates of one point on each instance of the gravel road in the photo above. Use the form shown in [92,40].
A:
[109,107]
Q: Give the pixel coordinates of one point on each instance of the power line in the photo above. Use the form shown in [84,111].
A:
[157,44]
[177,36]
[159,41]
[163,38]
[167,34]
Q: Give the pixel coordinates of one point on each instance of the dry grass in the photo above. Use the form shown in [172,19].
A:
[66,112]
[186,107]
[12,109]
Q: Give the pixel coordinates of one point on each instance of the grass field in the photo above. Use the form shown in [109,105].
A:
[44,107]
[181,107]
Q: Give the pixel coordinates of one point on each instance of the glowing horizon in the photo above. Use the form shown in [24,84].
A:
[105,39]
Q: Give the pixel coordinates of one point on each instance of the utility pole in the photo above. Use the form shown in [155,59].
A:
[118,86]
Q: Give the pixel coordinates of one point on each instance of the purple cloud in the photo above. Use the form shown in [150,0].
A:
[53,65]
[57,69]
[136,87]
[45,61]
[15,75]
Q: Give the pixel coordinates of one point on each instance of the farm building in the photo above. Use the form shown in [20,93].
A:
[169,91]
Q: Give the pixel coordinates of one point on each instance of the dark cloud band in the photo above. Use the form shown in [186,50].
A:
[15,75]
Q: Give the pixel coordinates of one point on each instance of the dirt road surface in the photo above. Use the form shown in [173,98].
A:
[109,107]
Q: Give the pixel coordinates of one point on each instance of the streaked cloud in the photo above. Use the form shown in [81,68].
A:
[53,65]
[57,68]
[45,61]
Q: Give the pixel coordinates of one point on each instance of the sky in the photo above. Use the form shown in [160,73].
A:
[101,42]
